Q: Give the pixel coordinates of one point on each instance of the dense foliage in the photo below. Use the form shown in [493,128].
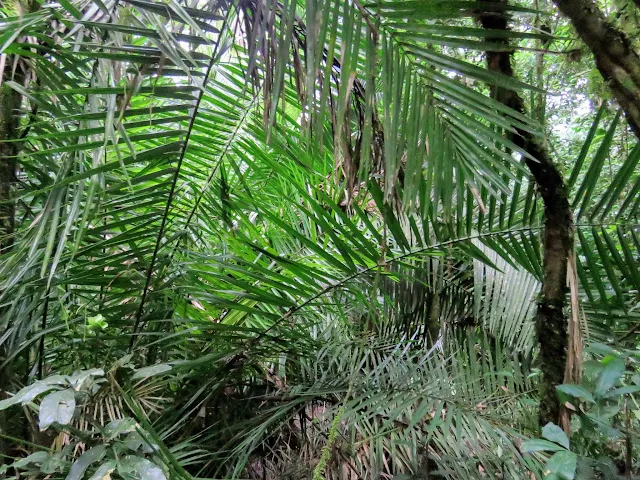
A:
[315,239]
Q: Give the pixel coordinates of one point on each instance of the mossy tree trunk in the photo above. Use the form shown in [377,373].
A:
[551,324]
[9,121]
[10,103]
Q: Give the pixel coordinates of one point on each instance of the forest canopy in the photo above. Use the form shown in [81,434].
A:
[323,239]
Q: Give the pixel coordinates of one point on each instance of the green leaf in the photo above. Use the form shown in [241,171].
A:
[563,465]
[586,146]
[576,391]
[118,427]
[538,445]
[140,468]
[54,463]
[27,394]
[609,376]
[79,378]
[104,471]
[617,392]
[134,441]
[57,407]
[80,466]
[37,457]
[593,173]
[555,434]
[152,370]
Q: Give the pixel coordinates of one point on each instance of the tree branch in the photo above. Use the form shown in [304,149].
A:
[616,60]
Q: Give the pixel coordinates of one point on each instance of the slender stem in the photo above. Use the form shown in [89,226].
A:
[367,18]
[43,326]
[628,441]
[174,183]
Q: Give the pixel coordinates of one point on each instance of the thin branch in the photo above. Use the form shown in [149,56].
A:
[367,18]
[631,332]
[614,55]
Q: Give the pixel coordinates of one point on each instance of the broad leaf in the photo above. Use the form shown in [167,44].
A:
[151,370]
[555,434]
[27,394]
[37,457]
[617,392]
[538,445]
[104,471]
[57,407]
[600,349]
[562,465]
[140,468]
[576,391]
[609,376]
[118,427]
[79,378]
[80,466]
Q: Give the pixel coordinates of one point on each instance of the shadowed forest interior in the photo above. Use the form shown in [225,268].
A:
[319,239]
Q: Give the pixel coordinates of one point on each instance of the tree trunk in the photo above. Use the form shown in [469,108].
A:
[10,102]
[551,324]
[616,60]
[9,121]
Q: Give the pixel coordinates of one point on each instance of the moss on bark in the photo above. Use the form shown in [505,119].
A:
[551,324]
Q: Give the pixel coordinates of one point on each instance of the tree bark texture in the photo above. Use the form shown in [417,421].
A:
[618,63]
[10,102]
[9,121]
[551,324]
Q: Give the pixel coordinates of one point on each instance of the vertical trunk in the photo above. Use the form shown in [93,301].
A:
[616,60]
[10,110]
[8,126]
[433,319]
[10,102]
[9,120]
[539,100]
[551,324]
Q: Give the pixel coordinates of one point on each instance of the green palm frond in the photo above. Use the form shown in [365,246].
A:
[309,211]
[392,402]
[112,105]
